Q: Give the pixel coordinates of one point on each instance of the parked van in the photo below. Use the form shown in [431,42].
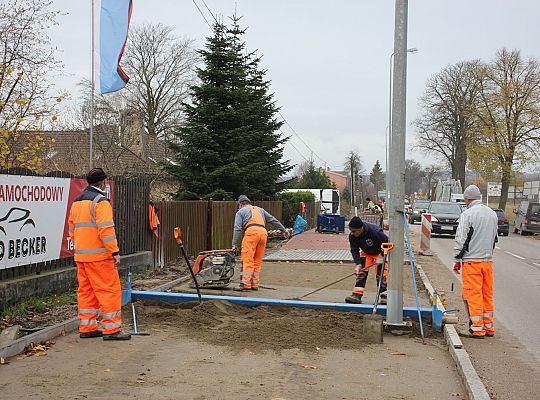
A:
[327,198]
[527,218]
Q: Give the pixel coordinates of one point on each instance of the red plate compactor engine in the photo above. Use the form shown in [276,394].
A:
[214,268]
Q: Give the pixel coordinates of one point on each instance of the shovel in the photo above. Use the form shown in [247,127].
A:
[373,324]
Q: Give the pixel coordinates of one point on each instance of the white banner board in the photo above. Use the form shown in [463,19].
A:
[32,218]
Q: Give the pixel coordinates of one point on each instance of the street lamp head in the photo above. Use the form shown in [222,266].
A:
[412,50]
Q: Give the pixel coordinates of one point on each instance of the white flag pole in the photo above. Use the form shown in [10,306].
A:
[92,94]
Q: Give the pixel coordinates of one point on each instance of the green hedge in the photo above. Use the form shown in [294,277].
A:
[291,205]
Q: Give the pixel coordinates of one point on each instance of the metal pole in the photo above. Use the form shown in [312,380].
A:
[388,134]
[390,104]
[396,190]
[90,159]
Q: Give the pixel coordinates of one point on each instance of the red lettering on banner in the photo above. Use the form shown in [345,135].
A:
[25,193]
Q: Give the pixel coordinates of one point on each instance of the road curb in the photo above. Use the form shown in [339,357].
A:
[69,325]
[475,388]
[18,346]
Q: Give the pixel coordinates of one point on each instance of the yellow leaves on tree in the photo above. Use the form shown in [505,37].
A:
[21,144]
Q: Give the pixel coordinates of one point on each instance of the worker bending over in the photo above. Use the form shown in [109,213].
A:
[252,221]
[365,240]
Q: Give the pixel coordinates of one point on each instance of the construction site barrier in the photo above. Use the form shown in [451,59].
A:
[425,236]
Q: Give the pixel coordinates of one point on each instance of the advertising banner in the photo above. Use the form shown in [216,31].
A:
[34,214]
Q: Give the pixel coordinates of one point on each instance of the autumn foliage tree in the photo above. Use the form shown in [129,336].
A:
[509,114]
[26,59]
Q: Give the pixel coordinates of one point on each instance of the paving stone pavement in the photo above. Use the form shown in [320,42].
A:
[309,255]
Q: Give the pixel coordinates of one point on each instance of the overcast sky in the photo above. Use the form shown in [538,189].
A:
[328,60]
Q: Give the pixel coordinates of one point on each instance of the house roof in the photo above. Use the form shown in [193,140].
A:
[69,151]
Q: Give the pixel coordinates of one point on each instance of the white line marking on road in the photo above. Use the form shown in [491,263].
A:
[538,265]
[515,255]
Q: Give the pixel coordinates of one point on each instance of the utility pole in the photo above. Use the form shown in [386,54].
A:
[352,181]
[396,178]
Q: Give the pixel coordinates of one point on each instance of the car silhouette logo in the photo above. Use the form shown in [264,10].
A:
[14,215]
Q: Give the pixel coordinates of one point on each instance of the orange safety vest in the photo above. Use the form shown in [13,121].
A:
[91,227]
[153,220]
[256,220]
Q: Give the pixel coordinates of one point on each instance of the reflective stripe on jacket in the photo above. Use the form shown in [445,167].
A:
[480,223]
[91,227]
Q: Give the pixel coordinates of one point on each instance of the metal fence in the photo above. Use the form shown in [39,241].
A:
[205,225]
[131,198]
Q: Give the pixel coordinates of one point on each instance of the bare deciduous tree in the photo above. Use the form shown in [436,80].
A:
[509,114]
[448,121]
[162,69]
[431,175]
[355,169]
[414,174]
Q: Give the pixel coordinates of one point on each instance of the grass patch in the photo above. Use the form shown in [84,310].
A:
[36,305]
[137,276]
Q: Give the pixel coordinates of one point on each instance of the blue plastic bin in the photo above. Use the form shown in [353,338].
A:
[334,223]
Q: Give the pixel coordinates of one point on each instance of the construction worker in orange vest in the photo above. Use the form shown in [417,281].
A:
[91,228]
[475,240]
[252,221]
[302,209]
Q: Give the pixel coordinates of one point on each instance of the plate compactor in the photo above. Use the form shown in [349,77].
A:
[214,269]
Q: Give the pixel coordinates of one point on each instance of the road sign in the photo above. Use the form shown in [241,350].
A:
[494,189]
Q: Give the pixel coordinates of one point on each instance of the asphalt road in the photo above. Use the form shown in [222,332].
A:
[517,284]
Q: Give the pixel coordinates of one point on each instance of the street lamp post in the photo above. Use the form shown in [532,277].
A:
[396,179]
[388,130]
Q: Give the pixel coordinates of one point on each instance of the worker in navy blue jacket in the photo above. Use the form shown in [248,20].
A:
[365,240]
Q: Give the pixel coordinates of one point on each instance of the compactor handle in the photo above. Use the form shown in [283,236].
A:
[387,247]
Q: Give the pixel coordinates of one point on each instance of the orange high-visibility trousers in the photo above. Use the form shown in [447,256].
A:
[253,246]
[99,289]
[478,296]
[368,260]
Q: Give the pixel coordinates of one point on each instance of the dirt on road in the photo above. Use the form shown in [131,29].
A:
[224,351]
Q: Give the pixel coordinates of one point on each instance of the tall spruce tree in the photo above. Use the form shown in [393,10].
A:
[230,143]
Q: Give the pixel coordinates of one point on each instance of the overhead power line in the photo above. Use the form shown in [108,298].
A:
[302,140]
[210,11]
[202,15]
[294,147]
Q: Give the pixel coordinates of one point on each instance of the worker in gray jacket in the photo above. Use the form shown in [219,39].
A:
[475,240]
[252,221]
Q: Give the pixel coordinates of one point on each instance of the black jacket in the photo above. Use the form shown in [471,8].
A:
[370,241]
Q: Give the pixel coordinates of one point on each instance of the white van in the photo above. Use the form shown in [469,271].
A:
[329,199]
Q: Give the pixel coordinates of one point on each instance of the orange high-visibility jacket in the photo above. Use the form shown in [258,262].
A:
[91,227]
[153,220]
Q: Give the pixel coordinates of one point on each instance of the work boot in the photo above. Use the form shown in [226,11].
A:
[490,334]
[354,298]
[254,288]
[469,334]
[117,336]
[241,288]
[93,334]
